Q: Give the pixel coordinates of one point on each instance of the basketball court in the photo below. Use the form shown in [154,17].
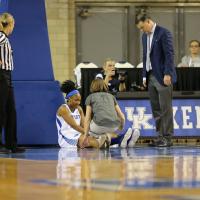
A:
[115,174]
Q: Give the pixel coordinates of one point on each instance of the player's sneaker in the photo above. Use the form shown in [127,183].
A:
[134,138]
[126,137]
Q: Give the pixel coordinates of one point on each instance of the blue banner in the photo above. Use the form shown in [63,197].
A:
[186,116]
[3,6]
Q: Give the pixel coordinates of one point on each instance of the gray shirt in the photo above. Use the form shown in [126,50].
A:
[103,109]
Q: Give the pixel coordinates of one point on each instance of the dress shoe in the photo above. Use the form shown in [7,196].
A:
[18,150]
[154,142]
[161,143]
[4,150]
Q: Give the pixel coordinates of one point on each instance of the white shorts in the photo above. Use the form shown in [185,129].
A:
[96,130]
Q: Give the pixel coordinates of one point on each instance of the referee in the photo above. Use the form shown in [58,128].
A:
[7,102]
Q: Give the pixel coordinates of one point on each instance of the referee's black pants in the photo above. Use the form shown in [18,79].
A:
[7,110]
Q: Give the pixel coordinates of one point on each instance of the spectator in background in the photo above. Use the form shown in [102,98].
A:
[7,102]
[115,83]
[77,71]
[193,59]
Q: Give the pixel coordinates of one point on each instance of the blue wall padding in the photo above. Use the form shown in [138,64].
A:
[3,6]
[37,103]
[31,50]
[37,94]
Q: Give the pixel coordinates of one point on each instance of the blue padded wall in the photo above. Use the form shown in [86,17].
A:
[37,94]
[30,41]
[36,104]
[3,6]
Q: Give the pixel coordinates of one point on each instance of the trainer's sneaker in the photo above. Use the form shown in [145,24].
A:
[106,144]
[126,137]
[134,138]
[102,140]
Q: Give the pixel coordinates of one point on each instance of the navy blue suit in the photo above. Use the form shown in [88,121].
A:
[161,54]
[162,63]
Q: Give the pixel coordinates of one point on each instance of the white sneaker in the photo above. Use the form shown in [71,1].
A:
[127,136]
[134,138]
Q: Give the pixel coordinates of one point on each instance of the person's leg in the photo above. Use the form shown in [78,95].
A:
[122,139]
[1,143]
[90,141]
[3,98]
[155,103]
[10,126]
[11,122]
[3,104]
[100,132]
[166,127]
[97,130]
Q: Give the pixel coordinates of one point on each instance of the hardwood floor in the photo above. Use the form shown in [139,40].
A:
[140,173]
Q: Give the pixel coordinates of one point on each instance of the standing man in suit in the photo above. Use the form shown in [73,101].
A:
[158,75]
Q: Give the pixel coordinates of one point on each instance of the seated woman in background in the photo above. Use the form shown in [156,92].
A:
[113,82]
[104,116]
[192,60]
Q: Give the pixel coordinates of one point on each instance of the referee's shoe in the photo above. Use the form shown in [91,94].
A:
[4,150]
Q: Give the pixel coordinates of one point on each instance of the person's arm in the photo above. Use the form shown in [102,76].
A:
[144,79]
[87,119]
[2,38]
[108,76]
[122,87]
[168,49]
[65,114]
[82,116]
[122,84]
[184,62]
[120,115]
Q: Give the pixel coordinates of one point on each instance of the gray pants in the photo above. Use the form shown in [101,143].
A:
[96,130]
[161,105]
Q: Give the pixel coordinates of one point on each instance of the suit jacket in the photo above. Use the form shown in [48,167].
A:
[161,54]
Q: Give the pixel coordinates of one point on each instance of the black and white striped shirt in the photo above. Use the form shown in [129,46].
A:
[6,58]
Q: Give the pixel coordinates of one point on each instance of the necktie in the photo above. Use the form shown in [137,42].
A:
[148,63]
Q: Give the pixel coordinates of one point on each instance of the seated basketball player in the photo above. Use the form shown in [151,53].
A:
[70,118]
[70,122]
